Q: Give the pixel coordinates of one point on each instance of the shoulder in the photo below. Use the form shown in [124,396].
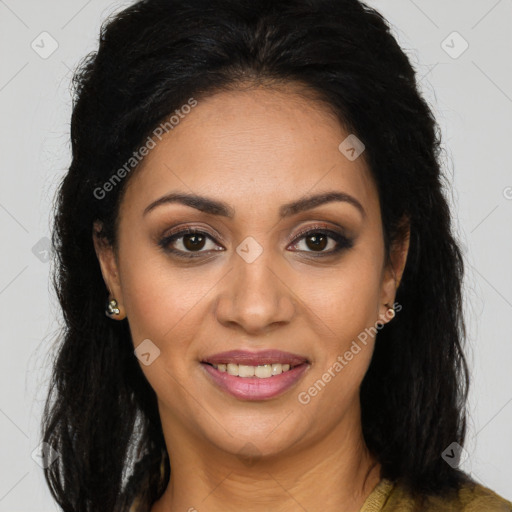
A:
[471,497]
[475,497]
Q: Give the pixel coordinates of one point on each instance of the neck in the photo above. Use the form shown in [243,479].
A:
[336,473]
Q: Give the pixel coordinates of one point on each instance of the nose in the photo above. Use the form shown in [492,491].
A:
[256,297]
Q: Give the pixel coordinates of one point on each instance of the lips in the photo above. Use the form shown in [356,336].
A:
[261,386]
[255,358]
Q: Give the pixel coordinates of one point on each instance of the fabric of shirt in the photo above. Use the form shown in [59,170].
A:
[390,497]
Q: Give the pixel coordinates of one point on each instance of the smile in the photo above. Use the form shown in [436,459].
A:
[250,375]
[261,371]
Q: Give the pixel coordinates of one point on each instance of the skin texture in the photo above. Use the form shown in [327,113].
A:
[255,149]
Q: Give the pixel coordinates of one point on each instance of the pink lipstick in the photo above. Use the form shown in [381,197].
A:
[255,375]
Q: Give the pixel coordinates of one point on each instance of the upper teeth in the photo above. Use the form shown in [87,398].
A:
[263,371]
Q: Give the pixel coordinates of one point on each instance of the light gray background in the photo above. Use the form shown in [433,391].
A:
[472,98]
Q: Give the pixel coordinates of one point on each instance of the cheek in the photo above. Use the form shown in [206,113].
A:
[161,304]
[164,306]
[160,297]
[346,299]
[344,308]
[347,311]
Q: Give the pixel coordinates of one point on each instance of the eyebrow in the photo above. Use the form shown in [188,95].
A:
[215,207]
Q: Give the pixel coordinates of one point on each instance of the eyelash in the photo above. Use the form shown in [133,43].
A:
[342,241]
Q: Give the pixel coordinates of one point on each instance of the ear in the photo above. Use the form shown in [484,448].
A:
[109,268]
[394,270]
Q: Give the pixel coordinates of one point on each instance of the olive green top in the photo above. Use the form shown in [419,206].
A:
[389,497]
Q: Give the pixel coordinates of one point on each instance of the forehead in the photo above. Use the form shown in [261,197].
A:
[252,145]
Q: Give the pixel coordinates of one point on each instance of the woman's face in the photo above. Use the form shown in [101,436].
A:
[250,281]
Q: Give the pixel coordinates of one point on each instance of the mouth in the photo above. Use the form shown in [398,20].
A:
[255,375]
[263,371]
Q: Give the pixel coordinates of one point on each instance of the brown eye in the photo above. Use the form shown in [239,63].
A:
[187,242]
[194,242]
[318,240]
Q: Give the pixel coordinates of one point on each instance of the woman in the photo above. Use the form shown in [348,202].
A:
[255,201]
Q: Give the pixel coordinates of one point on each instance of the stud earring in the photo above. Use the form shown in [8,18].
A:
[112,308]
[390,311]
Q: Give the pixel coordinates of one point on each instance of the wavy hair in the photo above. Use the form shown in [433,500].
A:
[101,414]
